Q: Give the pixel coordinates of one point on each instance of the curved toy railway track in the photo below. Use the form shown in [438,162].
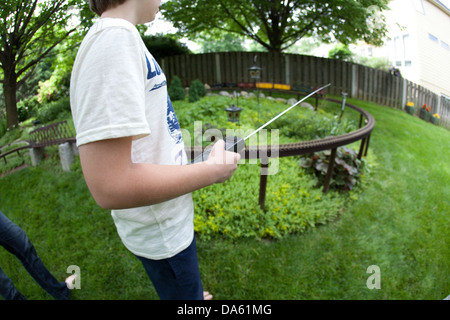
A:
[366,126]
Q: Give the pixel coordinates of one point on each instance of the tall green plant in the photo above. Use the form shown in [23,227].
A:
[176,90]
[277,25]
[29,31]
[162,46]
[196,91]
[346,167]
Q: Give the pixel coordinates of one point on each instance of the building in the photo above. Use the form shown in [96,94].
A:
[419,43]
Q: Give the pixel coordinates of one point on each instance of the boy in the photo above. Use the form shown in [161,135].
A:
[131,150]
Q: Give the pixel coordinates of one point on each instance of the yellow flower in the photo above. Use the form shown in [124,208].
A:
[410,104]
[436,116]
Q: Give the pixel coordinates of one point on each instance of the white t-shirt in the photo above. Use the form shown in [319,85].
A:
[119,90]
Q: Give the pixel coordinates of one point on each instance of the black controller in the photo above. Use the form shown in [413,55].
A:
[234,144]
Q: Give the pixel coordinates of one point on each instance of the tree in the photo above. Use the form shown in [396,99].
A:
[341,52]
[161,46]
[29,31]
[278,24]
[228,42]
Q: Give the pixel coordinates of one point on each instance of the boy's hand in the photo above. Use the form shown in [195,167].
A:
[225,161]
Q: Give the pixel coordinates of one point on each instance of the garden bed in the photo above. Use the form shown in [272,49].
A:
[294,199]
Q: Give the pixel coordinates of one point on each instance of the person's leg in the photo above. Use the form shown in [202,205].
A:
[16,241]
[7,289]
[178,277]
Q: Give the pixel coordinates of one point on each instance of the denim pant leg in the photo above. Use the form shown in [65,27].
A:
[16,241]
[178,277]
[7,289]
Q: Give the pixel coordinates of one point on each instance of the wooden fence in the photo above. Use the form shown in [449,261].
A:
[358,81]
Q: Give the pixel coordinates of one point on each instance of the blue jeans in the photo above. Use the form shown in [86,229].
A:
[178,277]
[15,240]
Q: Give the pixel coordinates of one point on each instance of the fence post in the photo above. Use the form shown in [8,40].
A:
[163,64]
[354,89]
[36,155]
[65,155]
[404,93]
[366,84]
[287,68]
[263,183]
[218,75]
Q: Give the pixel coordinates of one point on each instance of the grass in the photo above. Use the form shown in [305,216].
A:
[399,223]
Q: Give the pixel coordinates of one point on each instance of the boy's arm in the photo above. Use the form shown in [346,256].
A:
[117,183]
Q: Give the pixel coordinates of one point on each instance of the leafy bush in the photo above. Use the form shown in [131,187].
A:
[9,135]
[54,110]
[176,90]
[3,124]
[341,52]
[308,125]
[162,46]
[197,90]
[26,108]
[207,110]
[193,95]
[346,170]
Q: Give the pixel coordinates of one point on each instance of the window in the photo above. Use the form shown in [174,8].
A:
[398,50]
[407,47]
[433,38]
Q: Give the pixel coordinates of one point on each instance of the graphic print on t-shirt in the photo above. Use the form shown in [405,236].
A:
[172,121]
[152,73]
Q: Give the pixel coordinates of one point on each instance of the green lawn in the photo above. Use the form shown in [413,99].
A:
[399,223]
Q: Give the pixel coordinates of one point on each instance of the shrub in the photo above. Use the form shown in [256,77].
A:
[346,169]
[163,46]
[341,52]
[53,110]
[207,110]
[176,90]
[196,91]
[309,125]
[3,125]
[26,107]
[193,95]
